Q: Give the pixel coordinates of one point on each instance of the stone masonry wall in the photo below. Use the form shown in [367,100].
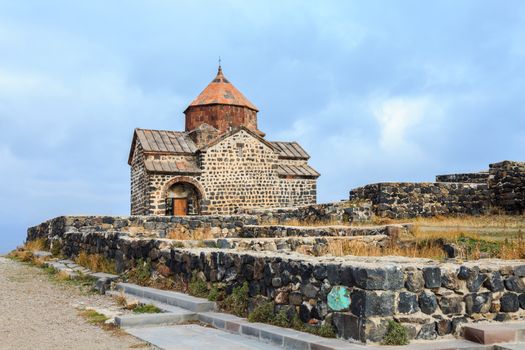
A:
[409,199]
[507,186]
[481,177]
[430,298]
[139,184]
[239,172]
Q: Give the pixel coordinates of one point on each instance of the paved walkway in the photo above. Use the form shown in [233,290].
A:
[195,337]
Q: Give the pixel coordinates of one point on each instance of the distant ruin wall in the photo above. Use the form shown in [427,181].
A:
[430,298]
[507,186]
[501,189]
[481,177]
[412,199]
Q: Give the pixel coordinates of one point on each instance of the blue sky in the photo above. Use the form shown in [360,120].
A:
[373,90]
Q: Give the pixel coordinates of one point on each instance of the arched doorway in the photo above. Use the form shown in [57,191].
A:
[183,198]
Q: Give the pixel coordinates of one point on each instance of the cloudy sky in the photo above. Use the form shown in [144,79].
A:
[373,90]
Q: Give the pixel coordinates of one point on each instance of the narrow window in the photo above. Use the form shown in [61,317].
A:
[240,147]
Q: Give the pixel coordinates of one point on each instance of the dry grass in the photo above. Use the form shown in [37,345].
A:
[25,252]
[95,262]
[515,222]
[36,245]
[425,244]
[196,234]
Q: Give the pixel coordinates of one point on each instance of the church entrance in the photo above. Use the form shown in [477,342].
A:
[183,199]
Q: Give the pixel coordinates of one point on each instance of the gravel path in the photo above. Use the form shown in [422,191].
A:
[38,313]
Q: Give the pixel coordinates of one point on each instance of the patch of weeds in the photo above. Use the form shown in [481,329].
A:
[198,288]
[237,301]
[215,293]
[147,309]
[177,244]
[96,262]
[263,313]
[56,248]
[474,246]
[121,299]
[93,317]
[396,334]
[140,273]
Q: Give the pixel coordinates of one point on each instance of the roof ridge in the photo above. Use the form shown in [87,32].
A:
[174,131]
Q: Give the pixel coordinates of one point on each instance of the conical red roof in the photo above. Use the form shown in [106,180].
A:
[221,91]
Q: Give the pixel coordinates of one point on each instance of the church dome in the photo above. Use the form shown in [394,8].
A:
[221,92]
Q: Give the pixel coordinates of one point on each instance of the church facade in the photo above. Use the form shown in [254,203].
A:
[221,162]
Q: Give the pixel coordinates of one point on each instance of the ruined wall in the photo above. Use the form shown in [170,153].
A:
[507,186]
[481,177]
[343,212]
[412,199]
[430,298]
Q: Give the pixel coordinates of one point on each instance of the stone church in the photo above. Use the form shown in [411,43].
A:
[219,164]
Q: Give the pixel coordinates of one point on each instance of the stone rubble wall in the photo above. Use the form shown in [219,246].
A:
[430,298]
[501,189]
[342,212]
[507,186]
[481,177]
[412,199]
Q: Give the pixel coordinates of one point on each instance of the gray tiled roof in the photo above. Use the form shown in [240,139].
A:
[290,150]
[296,170]
[165,141]
[170,166]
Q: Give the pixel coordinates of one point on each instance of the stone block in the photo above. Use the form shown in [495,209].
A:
[432,277]
[427,302]
[515,284]
[379,278]
[363,329]
[372,303]
[415,281]
[451,305]
[407,303]
[478,303]
[509,302]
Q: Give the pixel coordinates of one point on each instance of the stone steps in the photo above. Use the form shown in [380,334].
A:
[167,297]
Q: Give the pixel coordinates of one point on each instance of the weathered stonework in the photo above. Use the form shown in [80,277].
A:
[502,188]
[430,298]
[221,163]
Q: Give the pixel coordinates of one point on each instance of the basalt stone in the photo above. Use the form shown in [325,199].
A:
[247,272]
[478,303]
[305,271]
[457,323]
[515,284]
[427,332]
[427,302]
[432,277]
[407,303]
[333,274]
[254,288]
[452,304]
[494,282]
[347,276]
[277,282]
[449,280]
[519,271]
[320,272]
[372,303]
[466,273]
[364,329]
[502,317]
[509,302]
[387,278]
[475,283]
[310,291]
[295,298]
[305,312]
[521,299]
[443,326]
[415,281]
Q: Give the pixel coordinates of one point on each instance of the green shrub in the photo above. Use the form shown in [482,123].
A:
[263,313]
[215,293]
[146,309]
[198,288]
[140,273]
[396,334]
[281,319]
[237,301]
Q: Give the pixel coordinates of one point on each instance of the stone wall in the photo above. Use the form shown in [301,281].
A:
[430,298]
[186,227]
[343,212]
[481,177]
[412,199]
[507,186]
[140,201]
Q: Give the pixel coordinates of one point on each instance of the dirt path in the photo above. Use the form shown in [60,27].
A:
[37,313]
